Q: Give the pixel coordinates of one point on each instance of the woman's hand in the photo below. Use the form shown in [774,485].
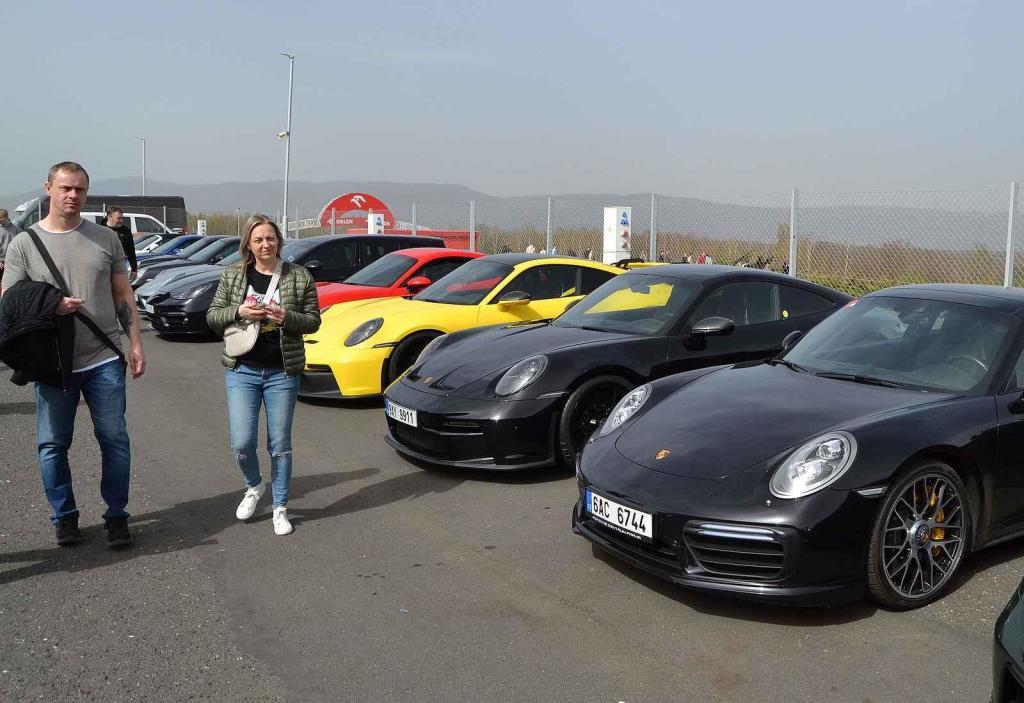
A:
[251,312]
[276,314]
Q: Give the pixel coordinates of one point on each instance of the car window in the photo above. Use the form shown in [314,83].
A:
[146,224]
[338,259]
[797,302]
[745,303]
[593,279]
[546,282]
[374,249]
[468,284]
[1015,384]
[383,272]
[632,304]
[439,268]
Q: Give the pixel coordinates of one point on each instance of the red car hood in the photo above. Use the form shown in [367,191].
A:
[334,293]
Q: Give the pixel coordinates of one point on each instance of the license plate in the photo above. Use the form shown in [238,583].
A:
[628,520]
[397,412]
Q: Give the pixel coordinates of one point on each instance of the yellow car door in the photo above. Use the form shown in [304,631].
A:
[539,290]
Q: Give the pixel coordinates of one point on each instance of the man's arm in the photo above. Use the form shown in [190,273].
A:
[128,316]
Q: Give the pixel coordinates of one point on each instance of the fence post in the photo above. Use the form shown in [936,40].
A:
[794,205]
[334,219]
[653,254]
[472,225]
[549,240]
[1008,272]
[238,222]
[165,216]
[414,218]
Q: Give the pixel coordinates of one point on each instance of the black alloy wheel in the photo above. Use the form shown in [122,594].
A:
[405,354]
[585,411]
[920,536]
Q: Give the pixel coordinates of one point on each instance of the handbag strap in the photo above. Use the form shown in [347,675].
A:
[63,285]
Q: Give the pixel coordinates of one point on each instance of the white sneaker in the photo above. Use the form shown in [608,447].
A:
[281,524]
[248,505]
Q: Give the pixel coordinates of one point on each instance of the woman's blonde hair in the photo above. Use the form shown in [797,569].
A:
[243,246]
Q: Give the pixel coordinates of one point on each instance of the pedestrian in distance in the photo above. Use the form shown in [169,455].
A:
[280,299]
[7,232]
[530,249]
[87,263]
[115,221]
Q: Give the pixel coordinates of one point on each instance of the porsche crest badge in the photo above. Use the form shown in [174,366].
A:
[662,454]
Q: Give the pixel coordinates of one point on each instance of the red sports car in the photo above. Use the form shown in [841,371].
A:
[403,272]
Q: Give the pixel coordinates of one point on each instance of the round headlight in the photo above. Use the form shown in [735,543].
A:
[429,349]
[364,331]
[521,375]
[814,466]
[626,408]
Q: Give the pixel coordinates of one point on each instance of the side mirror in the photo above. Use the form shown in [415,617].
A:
[514,297]
[713,326]
[571,304]
[313,265]
[417,283]
[791,339]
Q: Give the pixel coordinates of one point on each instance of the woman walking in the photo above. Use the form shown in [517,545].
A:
[262,308]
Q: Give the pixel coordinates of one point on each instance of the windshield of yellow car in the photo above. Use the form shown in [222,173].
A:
[467,285]
[632,304]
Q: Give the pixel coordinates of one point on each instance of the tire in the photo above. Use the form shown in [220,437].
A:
[920,536]
[405,354]
[580,412]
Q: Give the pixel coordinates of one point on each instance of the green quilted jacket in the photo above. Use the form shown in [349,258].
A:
[298,297]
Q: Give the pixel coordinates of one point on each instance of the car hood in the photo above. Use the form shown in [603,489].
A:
[398,315]
[732,419]
[496,348]
[172,278]
[344,292]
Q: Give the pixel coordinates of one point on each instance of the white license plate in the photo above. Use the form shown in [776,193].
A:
[625,519]
[397,412]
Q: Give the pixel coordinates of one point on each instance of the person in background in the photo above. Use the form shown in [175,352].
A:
[267,374]
[115,221]
[91,261]
[530,249]
[554,250]
[7,232]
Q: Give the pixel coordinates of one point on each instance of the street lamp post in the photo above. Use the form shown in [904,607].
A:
[143,140]
[287,136]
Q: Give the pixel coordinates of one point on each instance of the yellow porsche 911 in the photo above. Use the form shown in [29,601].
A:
[362,346]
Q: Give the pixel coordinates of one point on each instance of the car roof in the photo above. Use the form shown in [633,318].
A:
[995,297]
[331,237]
[706,273]
[432,252]
[516,259]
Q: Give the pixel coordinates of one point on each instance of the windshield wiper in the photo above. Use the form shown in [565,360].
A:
[858,378]
[788,364]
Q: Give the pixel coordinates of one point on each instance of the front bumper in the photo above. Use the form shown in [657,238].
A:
[178,317]
[356,373]
[494,435]
[730,536]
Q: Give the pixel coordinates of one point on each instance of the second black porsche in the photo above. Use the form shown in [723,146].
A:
[529,395]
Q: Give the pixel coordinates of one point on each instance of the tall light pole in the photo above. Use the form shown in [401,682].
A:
[287,136]
[143,140]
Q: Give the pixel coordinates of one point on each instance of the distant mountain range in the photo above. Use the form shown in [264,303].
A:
[961,221]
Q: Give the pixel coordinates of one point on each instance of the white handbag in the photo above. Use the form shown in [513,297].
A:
[240,337]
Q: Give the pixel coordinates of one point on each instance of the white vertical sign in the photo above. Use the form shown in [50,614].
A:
[201,228]
[618,229]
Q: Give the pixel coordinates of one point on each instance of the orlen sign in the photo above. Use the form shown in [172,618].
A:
[345,206]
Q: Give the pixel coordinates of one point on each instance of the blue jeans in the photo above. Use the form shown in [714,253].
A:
[104,391]
[248,387]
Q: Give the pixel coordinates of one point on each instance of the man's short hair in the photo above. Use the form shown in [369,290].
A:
[68,166]
[114,209]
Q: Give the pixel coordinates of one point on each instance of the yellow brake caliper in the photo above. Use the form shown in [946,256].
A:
[938,533]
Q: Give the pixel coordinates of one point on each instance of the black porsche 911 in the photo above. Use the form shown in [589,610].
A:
[871,457]
[529,395]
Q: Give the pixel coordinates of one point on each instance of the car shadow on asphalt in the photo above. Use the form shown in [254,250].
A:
[524,477]
[372,403]
[187,338]
[197,522]
[988,558]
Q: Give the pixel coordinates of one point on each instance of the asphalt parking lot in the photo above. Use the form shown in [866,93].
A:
[401,583]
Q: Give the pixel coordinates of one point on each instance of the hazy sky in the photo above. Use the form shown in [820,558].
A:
[512,98]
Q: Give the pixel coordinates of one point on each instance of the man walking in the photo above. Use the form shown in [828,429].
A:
[115,221]
[91,261]
[7,232]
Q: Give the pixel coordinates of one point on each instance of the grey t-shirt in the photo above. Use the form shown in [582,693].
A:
[86,256]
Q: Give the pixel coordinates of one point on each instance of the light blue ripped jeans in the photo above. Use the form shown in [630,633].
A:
[248,387]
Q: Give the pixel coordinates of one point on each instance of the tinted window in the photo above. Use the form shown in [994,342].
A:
[374,249]
[797,302]
[547,282]
[192,248]
[1016,382]
[173,245]
[337,258]
[593,279]
[747,303]
[144,224]
[383,272]
[439,268]
[632,304]
[468,284]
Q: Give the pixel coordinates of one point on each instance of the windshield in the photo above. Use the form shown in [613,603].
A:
[923,344]
[171,245]
[632,304]
[382,273]
[466,285]
[195,246]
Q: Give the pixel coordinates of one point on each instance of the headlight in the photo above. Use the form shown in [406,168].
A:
[429,349]
[364,331]
[814,465]
[188,293]
[626,408]
[521,375]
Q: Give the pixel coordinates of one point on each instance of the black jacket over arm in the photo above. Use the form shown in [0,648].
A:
[35,342]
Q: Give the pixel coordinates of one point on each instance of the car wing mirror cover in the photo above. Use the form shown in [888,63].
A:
[713,326]
[417,283]
[514,297]
[790,339]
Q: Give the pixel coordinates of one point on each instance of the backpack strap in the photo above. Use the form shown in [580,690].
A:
[63,285]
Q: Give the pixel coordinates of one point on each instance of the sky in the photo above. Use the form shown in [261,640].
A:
[517,98]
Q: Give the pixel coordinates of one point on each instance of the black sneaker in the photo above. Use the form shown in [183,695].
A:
[67,531]
[117,532]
